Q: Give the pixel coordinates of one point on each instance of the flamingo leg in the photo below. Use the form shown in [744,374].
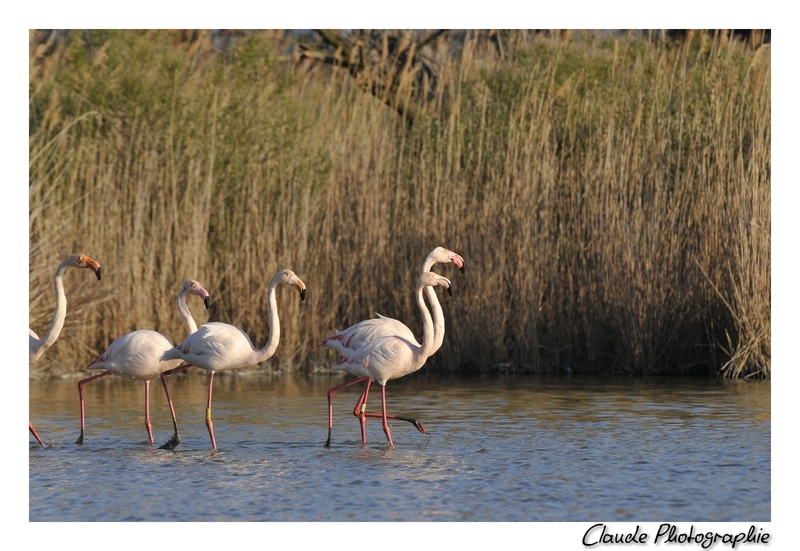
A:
[330,405]
[210,423]
[33,432]
[147,424]
[178,369]
[176,439]
[416,422]
[81,383]
[386,429]
[360,411]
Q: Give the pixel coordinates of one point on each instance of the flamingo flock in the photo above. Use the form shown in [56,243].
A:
[374,350]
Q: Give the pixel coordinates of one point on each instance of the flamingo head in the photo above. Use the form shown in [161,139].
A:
[288,277]
[430,279]
[193,287]
[442,255]
[80,260]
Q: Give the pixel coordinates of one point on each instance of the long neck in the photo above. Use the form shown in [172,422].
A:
[438,318]
[59,315]
[438,322]
[274,325]
[428,340]
[428,264]
[186,314]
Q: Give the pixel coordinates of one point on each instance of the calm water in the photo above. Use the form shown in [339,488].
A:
[501,449]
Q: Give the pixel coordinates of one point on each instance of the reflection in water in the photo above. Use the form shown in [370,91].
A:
[501,449]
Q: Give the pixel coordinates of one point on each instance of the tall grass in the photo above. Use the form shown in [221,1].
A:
[611,199]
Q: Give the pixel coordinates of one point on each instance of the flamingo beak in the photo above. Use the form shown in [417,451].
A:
[95,266]
[206,300]
[86,262]
[458,261]
[450,291]
[302,289]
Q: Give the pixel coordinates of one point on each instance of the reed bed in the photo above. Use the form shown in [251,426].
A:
[611,198]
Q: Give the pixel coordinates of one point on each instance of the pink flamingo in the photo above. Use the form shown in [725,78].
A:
[139,355]
[346,342]
[218,346]
[392,357]
[36,346]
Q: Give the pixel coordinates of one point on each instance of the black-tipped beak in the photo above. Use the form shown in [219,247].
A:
[450,291]
[303,294]
[207,301]
[461,269]
[99,272]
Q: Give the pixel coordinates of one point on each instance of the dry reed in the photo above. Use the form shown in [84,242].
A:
[611,199]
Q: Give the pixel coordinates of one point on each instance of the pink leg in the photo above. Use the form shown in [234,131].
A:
[385,423]
[362,414]
[33,432]
[80,439]
[147,424]
[330,406]
[209,423]
[176,439]
[360,411]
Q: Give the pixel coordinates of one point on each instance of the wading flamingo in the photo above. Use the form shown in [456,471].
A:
[346,342]
[36,347]
[138,355]
[387,358]
[217,346]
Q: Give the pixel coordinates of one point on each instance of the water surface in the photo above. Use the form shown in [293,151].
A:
[503,448]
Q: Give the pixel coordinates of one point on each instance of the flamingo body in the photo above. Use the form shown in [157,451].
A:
[381,359]
[216,346]
[136,355]
[354,337]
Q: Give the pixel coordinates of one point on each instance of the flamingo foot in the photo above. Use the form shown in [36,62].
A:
[80,439]
[172,443]
[416,422]
[328,442]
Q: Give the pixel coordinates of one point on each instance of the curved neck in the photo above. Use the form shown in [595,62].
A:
[274,325]
[438,318]
[428,342]
[428,264]
[186,314]
[59,315]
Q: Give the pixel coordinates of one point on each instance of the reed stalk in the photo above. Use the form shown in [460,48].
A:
[611,198]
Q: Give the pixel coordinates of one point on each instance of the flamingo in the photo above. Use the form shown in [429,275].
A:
[217,346]
[392,357]
[346,342]
[36,346]
[138,355]
[351,339]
